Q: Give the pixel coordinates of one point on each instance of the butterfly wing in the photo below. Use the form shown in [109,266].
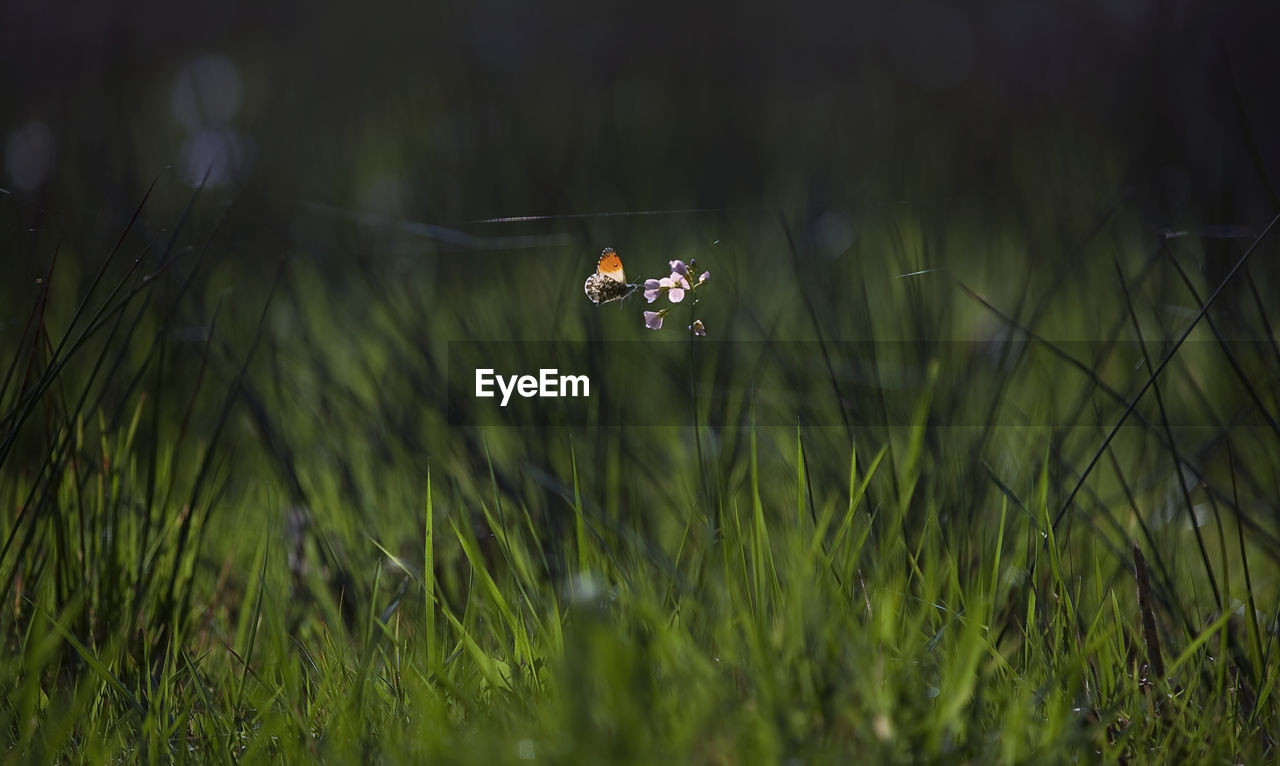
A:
[610,265]
[609,282]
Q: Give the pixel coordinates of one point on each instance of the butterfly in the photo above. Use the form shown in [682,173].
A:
[609,283]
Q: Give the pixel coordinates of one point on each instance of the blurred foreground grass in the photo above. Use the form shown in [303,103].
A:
[238,525]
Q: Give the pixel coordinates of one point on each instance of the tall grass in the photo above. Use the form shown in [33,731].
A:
[260,540]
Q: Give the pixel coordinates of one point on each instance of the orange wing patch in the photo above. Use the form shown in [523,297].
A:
[611,266]
[609,283]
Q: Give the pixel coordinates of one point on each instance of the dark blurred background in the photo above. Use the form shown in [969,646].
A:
[452,112]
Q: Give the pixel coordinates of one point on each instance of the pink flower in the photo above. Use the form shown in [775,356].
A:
[652,288]
[676,284]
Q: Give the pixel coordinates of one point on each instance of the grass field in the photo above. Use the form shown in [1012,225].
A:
[978,460]
[900,523]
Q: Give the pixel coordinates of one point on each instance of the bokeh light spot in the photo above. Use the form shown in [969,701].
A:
[28,155]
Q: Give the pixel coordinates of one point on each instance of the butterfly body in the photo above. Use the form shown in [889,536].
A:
[609,282]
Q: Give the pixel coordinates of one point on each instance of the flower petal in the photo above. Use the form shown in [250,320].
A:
[704,276]
[676,294]
[652,288]
[653,320]
[678,267]
[698,328]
